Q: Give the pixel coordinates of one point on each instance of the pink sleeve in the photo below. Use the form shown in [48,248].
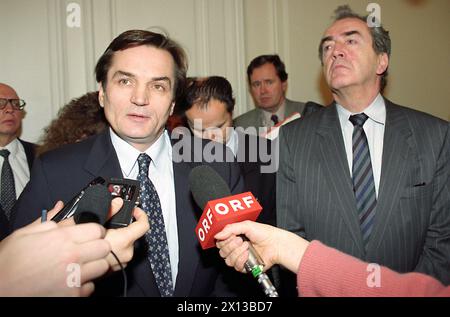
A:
[324,271]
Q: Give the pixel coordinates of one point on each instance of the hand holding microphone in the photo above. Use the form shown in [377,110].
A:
[235,249]
[276,246]
[34,260]
[220,209]
[97,205]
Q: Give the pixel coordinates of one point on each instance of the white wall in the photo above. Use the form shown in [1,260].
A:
[50,63]
[419,73]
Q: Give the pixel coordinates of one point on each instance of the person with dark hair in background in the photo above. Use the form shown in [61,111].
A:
[207,109]
[81,118]
[321,270]
[268,83]
[364,175]
[140,75]
[16,156]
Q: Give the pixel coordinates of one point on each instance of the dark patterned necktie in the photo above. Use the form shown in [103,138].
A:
[158,253]
[8,188]
[274,119]
[363,181]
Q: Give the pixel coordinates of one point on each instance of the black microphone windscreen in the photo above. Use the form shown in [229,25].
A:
[94,205]
[206,184]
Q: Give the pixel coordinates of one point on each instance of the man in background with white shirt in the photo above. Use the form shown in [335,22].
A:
[16,156]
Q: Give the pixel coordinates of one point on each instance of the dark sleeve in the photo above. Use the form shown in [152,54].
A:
[4,225]
[287,189]
[435,258]
[231,283]
[34,198]
[236,180]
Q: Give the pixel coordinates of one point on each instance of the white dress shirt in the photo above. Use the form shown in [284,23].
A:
[161,175]
[233,141]
[19,165]
[374,129]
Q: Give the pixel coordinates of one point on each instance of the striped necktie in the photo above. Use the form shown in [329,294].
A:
[362,176]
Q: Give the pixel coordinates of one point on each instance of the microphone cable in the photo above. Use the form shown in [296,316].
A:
[124,275]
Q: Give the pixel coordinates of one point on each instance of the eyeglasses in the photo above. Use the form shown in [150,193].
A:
[17,104]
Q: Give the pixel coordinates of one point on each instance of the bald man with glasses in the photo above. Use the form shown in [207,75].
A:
[16,156]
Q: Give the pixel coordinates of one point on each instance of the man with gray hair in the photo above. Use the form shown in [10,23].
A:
[364,175]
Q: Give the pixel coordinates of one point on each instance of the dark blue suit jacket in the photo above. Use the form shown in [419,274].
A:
[30,153]
[60,174]
[252,155]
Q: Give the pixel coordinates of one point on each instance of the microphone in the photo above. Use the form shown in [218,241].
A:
[94,205]
[99,188]
[71,207]
[220,208]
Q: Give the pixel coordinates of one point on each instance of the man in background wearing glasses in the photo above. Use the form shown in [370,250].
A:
[16,156]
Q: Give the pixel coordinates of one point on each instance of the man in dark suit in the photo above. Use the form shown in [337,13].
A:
[4,225]
[268,83]
[140,75]
[16,155]
[364,175]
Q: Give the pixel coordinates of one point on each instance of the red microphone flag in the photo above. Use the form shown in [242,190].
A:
[220,212]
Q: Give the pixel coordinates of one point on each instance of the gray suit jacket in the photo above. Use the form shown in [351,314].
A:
[255,117]
[315,198]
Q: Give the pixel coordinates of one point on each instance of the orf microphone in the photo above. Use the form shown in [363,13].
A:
[220,208]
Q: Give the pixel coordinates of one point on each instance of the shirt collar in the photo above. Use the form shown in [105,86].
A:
[128,154]
[232,143]
[12,147]
[376,111]
[280,114]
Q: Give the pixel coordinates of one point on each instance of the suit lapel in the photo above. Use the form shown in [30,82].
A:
[102,159]
[334,161]
[29,152]
[397,150]
[186,220]
[259,120]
